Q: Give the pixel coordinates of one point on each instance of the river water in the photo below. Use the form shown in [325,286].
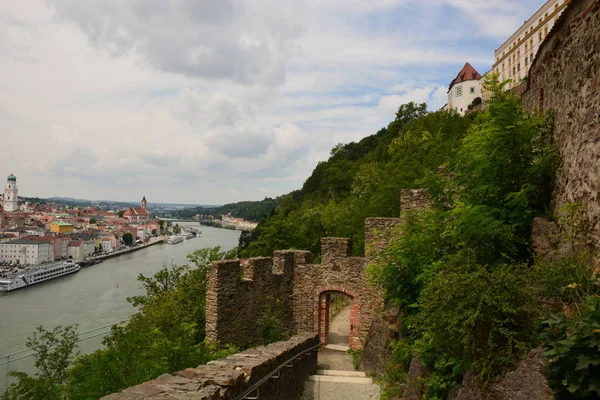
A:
[90,297]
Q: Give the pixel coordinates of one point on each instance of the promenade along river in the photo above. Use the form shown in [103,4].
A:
[91,297]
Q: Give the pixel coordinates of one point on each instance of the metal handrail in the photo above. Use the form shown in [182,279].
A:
[288,363]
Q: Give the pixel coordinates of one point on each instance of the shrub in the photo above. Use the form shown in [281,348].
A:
[573,348]
[270,323]
[486,318]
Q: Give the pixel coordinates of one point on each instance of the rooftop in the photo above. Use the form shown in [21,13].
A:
[25,242]
[60,223]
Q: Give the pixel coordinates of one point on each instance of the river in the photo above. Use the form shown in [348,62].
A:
[90,297]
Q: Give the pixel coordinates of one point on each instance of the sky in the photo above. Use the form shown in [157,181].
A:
[219,101]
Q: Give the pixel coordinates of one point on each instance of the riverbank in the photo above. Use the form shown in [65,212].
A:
[128,250]
[91,298]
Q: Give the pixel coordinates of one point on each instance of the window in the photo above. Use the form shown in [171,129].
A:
[519,67]
[472,89]
[458,91]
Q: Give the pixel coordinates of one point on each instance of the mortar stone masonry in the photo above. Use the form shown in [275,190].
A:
[565,77]
[228,378]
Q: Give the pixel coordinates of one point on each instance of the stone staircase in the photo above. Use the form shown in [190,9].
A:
[329,384]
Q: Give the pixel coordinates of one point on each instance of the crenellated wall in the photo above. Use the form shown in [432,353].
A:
[239,292]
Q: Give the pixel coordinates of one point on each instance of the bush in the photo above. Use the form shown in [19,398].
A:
[486,318]
[573,348]
[271,325]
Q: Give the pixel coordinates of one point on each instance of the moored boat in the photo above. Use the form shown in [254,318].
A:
[175,239]
[31,276]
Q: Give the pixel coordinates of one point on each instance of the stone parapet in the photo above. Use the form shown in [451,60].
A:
[231,377]
[239,292]
[335,248]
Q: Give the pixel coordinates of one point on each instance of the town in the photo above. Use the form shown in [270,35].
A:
[37,234]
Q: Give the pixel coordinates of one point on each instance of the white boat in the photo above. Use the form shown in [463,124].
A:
[31,276]
[189,235]
[175,239]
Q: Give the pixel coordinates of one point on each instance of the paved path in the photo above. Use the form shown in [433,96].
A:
[336,378]
[339,329]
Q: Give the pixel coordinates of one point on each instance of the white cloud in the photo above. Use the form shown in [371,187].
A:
[206,101]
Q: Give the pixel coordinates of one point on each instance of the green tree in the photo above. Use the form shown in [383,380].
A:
[121,213]
[127,238]
[177,229]
[166,334]
[54,351]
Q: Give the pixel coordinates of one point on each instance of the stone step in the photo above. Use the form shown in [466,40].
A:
[341,379]
[339,347]
[335,372]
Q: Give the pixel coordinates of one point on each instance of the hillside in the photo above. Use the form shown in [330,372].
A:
[360,180]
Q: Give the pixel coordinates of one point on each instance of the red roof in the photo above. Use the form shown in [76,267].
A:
[467,73]
[74,243]
[136,211]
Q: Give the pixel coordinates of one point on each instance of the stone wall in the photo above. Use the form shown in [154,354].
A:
[565,77]
[239,292]
[230,377]
[338,272]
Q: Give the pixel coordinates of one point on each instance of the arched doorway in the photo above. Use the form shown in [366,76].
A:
[337,322]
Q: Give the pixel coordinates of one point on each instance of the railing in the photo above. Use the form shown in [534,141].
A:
[271,375]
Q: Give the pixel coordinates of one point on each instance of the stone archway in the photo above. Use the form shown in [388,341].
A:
[323,307]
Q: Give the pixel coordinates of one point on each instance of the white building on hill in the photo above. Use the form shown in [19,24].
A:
[514,57]
[465,88]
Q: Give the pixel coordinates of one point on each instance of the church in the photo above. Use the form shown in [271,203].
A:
[10,199]
[138,214]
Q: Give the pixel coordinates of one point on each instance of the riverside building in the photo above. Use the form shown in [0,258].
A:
[515,55]
[26,252]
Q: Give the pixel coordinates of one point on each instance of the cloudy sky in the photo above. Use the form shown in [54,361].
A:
[216,101]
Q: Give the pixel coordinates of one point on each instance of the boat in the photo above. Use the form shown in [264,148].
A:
[31,276]
[189,235]
[175,239]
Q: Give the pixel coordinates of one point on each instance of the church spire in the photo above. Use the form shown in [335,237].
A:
[144,202]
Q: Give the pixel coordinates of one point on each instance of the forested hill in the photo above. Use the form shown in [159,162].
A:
[360,180]
[249,210]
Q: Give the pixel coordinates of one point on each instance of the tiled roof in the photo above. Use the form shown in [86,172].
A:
[467,73]
[24,241]
[136,211]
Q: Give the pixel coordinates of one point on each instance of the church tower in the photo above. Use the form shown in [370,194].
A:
[144,202]
[10,194]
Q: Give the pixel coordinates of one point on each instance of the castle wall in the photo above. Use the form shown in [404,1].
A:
[565,77]
[238,293]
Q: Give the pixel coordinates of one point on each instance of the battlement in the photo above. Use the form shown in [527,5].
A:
[288,286]
[239,292]
[335,248]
